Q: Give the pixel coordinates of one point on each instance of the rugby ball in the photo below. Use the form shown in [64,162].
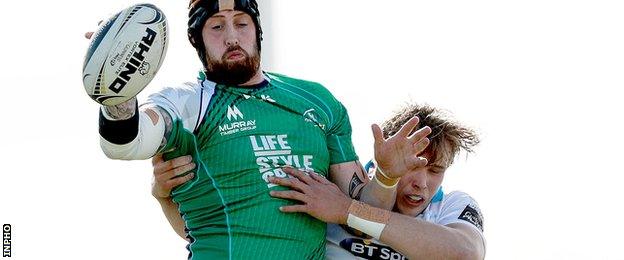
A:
[125,53]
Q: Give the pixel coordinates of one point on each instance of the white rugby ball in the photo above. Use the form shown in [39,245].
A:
[125,54]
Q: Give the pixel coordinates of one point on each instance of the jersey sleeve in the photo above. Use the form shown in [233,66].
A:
[332,115]
[186,104]
[459,207]
[339,142]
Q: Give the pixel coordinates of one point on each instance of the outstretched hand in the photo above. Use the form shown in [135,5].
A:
[320,198]
[399,154]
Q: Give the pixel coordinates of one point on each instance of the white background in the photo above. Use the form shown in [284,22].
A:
[537,78]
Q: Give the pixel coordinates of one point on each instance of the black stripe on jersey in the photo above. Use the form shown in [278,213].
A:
[122,131]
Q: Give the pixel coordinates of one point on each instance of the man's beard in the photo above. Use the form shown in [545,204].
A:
[233,73]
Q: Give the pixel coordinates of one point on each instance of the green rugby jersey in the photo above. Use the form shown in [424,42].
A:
[238,137]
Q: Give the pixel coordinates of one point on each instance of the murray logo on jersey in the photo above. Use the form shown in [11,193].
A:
[273,152]
[234,112]
[236,122]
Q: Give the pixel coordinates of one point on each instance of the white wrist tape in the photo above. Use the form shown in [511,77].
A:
[371,228]
[367,219]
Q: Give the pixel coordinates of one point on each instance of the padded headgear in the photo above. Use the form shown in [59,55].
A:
[201,10]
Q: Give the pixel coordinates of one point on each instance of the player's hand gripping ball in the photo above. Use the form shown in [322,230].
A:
[125,53]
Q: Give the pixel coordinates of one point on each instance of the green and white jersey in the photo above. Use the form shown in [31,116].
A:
[238,138]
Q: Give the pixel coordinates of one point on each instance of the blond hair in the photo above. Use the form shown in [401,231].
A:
[448,137]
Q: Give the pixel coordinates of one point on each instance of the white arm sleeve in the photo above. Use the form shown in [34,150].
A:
[186,103]
[147,141]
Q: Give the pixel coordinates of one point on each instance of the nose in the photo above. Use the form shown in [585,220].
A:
[419,180]
[231,38]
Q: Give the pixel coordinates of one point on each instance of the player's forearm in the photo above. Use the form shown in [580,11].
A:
[419,239]
[129,134]
[416,238]
[375,195]
[170,209]
[380,192]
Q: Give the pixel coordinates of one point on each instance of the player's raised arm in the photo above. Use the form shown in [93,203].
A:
[397,155]
[123,57]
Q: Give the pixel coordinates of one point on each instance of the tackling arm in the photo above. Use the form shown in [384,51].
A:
[419,239]
[168,175]
[415,238]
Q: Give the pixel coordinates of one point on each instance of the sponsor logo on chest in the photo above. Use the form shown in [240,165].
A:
[236,122]
[273,152]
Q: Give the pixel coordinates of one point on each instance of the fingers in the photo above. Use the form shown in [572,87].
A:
[407,128]
[420,133]
[293,208]
[377,134]
[302,176]
[289,194]
[164,166]
[417,162]
[320,178]
[179,181]
[180,161]
[161,188]
[421,145]
[173,173]
[292,183]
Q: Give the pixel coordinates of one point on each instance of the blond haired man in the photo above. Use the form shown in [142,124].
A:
[425,223]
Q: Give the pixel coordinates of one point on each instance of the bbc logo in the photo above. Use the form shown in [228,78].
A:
[6,240]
